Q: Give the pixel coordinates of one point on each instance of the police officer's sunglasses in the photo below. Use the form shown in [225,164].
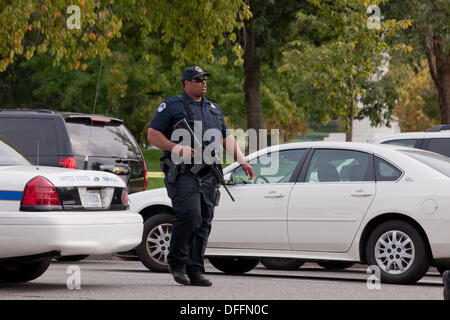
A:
[199,80]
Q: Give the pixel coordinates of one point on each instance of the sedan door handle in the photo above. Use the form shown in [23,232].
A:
[273,195]
[359,194]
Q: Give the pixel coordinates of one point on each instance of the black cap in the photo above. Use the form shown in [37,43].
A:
[193,72]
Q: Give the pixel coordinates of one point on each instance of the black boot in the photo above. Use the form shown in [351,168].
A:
[198,279]
[446,281]
[179,274]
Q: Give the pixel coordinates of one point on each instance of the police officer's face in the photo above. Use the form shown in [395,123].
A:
[196,87]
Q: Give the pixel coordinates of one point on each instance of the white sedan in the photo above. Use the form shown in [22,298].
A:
[48,212]
[387,206]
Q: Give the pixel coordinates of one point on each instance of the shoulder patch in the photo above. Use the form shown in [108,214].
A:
[161,107]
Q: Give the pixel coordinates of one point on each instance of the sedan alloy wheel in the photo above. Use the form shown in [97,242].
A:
[399,250]
[158,242]
[154,247]
[394,252]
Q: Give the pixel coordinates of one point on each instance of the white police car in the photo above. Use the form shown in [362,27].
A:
[47,212]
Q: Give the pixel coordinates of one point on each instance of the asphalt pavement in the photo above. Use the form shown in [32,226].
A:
[129,280]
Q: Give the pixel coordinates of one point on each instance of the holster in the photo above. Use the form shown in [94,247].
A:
[170,170]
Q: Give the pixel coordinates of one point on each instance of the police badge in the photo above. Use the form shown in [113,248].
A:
[161,107]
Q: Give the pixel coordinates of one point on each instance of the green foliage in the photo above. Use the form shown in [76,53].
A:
[189,32]
[142,46]
[428,38]
[336,68]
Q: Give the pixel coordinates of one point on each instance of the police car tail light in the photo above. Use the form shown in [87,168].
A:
[67,162]
[40,195]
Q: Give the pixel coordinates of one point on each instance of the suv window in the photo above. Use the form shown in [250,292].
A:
[440,145]
[332,165]
[110,139]
[402,142]
[384,171]
[26,132]
[275,167]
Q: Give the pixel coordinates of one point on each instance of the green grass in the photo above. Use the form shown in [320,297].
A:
[151,157]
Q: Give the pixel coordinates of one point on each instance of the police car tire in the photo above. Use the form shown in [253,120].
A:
[421,260]
[281,264]
[335,265]
[141,250]
[233,265]
[22,271]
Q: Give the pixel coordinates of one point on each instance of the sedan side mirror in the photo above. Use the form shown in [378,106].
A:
[229,178]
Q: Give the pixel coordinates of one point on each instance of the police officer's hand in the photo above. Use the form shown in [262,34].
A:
[248,170]
[184,152]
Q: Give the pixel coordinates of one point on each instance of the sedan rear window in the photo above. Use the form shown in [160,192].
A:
[110,139]
[10,157]
[436,161]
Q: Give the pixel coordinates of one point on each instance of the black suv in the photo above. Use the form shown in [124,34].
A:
[63,139]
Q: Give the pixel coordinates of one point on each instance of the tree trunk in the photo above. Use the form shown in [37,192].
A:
[439,65]
[349,131]
[252,79]
[444,96]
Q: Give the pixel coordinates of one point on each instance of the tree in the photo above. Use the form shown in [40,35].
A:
[418,108]
[430,39]
[332,76]
[262,38]
[142,46]
[188,28]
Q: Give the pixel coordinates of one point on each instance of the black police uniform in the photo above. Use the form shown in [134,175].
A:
[193,200]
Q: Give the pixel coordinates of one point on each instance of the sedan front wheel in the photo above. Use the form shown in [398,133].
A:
[154,247]
[399,251]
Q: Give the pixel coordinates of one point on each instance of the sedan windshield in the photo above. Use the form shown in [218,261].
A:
[436,161]
[10,157]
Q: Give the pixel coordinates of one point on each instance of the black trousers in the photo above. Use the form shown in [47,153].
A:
[193,206]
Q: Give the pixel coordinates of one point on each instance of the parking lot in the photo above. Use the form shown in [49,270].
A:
[130,280]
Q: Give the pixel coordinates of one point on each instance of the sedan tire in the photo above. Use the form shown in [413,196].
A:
[154,247]
[281,264]
[12,271]
[399,250]
[234,265]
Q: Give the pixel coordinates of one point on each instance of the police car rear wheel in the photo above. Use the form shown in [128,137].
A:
[12,271]
[234,265]
[154,247]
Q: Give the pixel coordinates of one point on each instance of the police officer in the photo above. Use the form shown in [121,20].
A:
[193,198]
